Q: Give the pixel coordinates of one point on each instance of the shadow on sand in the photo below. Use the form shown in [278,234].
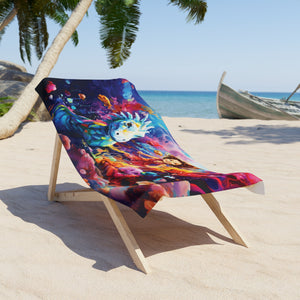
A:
[274,134]
[86,228]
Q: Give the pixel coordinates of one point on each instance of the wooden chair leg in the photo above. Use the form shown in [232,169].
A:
[216,208]
[127,236]
[54,167]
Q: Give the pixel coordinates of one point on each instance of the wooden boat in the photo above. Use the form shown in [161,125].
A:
[243,105]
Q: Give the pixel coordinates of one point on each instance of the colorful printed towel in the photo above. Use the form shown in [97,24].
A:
[121,147]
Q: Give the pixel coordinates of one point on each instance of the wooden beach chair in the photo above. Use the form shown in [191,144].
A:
[123,150]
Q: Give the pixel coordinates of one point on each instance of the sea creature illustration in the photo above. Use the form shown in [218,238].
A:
[50,87]
[119,129]
[67,93]
[105,100]
[82,96]
[127,127]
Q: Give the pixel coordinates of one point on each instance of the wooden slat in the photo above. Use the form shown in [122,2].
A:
[216,208]
[78,195]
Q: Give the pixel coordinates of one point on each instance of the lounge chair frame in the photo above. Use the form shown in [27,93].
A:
[115,213]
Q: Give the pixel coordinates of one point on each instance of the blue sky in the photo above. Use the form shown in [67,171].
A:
[256,42]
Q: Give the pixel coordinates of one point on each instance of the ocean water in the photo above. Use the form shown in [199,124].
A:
[194,104]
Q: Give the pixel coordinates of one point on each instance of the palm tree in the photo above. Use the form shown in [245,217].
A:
[31,17]
[119,20]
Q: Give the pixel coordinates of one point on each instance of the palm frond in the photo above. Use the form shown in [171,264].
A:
[39,35]
[2,33]
[32,28]
[196,9]
[56,10]
[6,7]
[68,4]
[119,21]
[25,38]
[7,14]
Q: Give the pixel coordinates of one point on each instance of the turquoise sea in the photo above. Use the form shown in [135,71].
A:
[194,104]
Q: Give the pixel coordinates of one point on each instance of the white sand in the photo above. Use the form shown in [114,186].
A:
[72,251]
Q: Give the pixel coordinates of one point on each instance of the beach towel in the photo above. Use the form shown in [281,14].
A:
[122,148]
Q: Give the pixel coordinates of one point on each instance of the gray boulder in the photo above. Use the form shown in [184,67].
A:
[13,80]
[11,89]
[11,66]
[8,74]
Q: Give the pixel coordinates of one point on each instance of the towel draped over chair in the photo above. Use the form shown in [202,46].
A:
[122,148]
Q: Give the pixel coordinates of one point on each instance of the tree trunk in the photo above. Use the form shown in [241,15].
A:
[18,113]
[8,19]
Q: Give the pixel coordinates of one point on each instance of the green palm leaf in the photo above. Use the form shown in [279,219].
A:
[56,10]
[6,6]
[39,35]
[196,9]
[24,22]
[119,25]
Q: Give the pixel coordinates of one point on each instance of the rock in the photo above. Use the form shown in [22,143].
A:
[7,74]
[11,66]
[12,89]
[13,80]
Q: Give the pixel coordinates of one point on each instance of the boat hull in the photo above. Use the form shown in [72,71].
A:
[234,105]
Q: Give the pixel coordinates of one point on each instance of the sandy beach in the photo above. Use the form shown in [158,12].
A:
[73,251]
